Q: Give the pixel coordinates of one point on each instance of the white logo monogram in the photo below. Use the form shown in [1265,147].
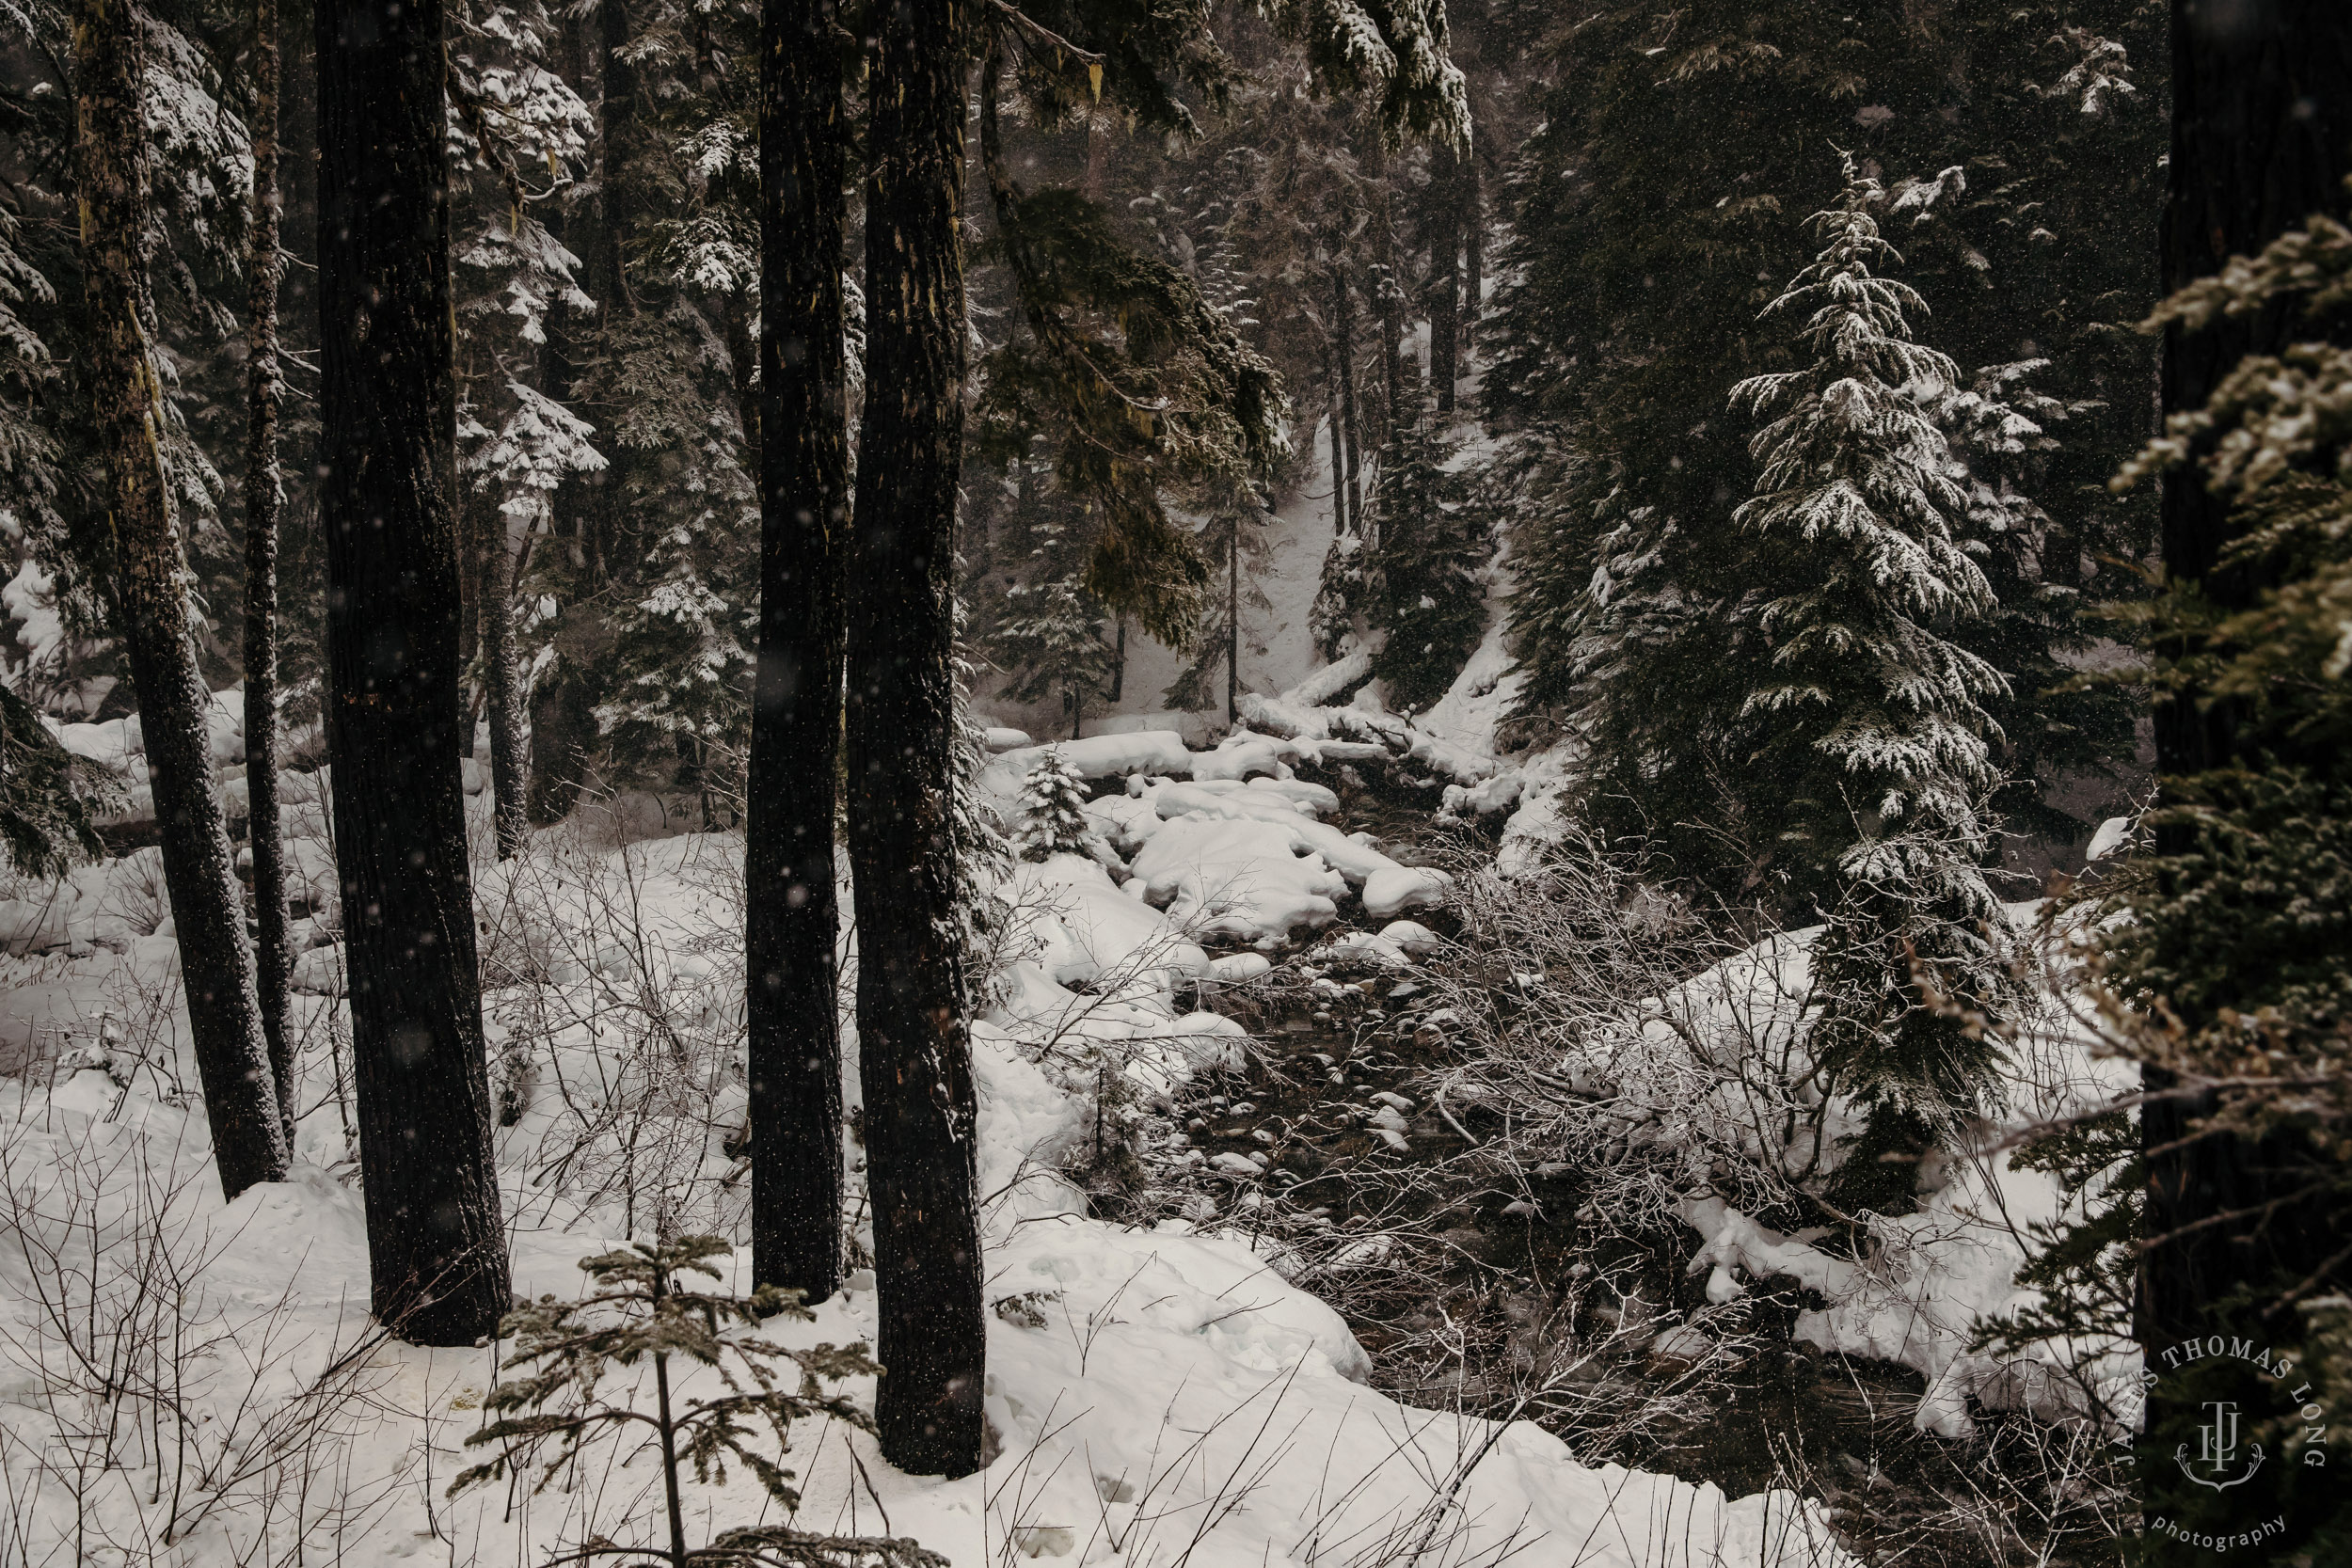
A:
[2217,1450]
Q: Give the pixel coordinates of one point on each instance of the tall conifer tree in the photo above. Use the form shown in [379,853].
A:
[150,594]
[792,921]
[914,1055]
[265,498]
[436,1251]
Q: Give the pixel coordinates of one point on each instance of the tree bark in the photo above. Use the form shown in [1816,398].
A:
[265,497]
[501,685]
[1233,625]
[1344,325]
[437,1253]
[562,736]
[792,918]
[618,122]
[152,606]
[914,1058]
[1388,294]
[1473,250]
[1340,522]
[1445,274]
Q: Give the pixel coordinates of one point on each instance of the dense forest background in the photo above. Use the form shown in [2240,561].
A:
[1525,346]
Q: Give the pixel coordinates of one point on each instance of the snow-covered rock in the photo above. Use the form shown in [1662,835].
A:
[1411,937]
[1099,756]
[1084,931]
[1235,969]
[1238,879]
[1244,756]
[319,970]
[107,744]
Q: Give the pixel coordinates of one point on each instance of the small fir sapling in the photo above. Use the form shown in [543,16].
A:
[1052,810]
[644,1308]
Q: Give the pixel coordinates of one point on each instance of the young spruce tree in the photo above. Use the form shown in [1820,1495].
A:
[1860,707]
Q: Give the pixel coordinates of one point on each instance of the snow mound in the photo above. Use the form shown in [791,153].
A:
[1098,756]
[1239,881]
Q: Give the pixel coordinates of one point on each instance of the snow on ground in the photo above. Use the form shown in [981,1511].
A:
[1931,1276]
[1157,1396]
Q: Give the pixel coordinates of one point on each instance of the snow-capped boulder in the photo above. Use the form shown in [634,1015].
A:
[1237,880]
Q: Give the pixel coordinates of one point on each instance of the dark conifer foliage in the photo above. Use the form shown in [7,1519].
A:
[1654,215]
[148,588]
[791,915]
[436,1251]
[2239,916]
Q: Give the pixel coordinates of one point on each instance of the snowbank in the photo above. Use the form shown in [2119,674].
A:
[1925,1281]
[1098,756]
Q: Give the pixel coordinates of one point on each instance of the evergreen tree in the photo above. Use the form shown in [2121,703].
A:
[519,139]
[643,1307]
[1052,810]
[2004,447]
[655,579]
[436,1250]
[264,499]
[1648,224]
[791,790]
[1052,636]
[150,594]
[49,798]
[921,1111]
[1427,595]
[1232,536]
[1858,709]
[2235,942]
[54,465]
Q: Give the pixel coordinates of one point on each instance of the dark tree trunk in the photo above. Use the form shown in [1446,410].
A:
[152,606]
[1343,327]
[264,496]
[469,505]
[792,921]
[1473,250]
[563,738]
[1233,625]
[1340,522]
[436,1253]
[1388,296]
[1119,658]
[494,602]
[914,1058]
[618,122]
[1445,274]
[2262,138]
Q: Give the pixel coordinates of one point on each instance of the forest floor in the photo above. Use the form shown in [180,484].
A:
[187,1382]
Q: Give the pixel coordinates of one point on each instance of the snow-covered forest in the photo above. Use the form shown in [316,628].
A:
[1175,783]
